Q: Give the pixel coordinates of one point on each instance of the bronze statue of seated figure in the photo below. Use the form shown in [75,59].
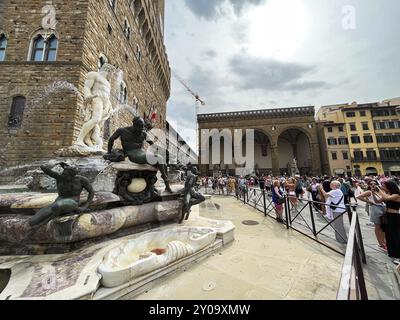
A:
[132,139]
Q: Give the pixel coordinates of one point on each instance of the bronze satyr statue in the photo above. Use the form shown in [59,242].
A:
[70,187]
[190,196]
[133,139]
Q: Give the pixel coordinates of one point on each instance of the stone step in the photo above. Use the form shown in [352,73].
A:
[17,203]
[10,188]
[70,231]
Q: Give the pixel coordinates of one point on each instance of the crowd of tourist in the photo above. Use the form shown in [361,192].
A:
[331,196]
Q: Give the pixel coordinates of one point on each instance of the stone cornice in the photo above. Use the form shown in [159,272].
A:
[258,114]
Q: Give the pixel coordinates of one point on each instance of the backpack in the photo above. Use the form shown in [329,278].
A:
[345,189]
[299,187]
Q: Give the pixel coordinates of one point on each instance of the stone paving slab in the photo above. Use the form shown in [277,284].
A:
[266,262]
[379,271]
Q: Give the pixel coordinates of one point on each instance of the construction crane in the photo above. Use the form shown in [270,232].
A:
[196,96]
[198,101]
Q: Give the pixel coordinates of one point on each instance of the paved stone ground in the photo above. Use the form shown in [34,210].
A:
[379,271]
[380,268]
[266,262]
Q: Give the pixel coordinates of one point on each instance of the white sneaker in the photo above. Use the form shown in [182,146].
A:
[396,262]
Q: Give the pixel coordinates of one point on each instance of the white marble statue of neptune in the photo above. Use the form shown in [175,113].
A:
[97,94]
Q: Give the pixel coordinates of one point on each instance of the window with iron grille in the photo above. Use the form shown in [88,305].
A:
[17,112]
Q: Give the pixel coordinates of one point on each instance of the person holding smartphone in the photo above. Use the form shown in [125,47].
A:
[336,209]
[389,193]
[377,210]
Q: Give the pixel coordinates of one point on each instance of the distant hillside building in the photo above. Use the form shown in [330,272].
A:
[46,50]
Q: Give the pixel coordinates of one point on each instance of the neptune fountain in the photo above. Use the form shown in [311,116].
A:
[109,230]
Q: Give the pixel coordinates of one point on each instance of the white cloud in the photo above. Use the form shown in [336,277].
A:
[236,60]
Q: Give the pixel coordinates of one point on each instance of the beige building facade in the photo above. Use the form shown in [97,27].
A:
[280,135]
[372,146]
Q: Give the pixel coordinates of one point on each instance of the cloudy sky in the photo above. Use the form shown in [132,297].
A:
[253,54]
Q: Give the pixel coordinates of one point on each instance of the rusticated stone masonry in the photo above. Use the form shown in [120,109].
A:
[85,30]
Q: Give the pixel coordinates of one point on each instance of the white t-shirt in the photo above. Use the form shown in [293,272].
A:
[336,197]
[314,187]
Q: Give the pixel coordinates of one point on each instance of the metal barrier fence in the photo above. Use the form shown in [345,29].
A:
[352,283]
[302,217]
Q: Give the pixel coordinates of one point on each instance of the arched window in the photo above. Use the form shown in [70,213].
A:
[138,53]
[102,61]
[44,48]
[37,49]
[136,5]
[132,6]
[123,93]
[17,112]
[3,47]
[127,29]
[107,129]
[113,4]
[51,49]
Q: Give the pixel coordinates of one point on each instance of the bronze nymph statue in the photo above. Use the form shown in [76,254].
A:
[190,196]
[69,186]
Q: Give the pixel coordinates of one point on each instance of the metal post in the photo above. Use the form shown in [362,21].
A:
[265,203]
[312,219]
[348,207]
[360,273]
[288,208]
[360,241]
[287,213]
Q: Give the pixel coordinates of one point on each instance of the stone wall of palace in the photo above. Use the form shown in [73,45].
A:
[147,78]
[86,29]
[48,119]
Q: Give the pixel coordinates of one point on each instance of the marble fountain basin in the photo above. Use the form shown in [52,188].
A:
[152,251]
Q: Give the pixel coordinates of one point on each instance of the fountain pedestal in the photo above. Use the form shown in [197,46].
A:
[36,180]
[75,231]
[133,183]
